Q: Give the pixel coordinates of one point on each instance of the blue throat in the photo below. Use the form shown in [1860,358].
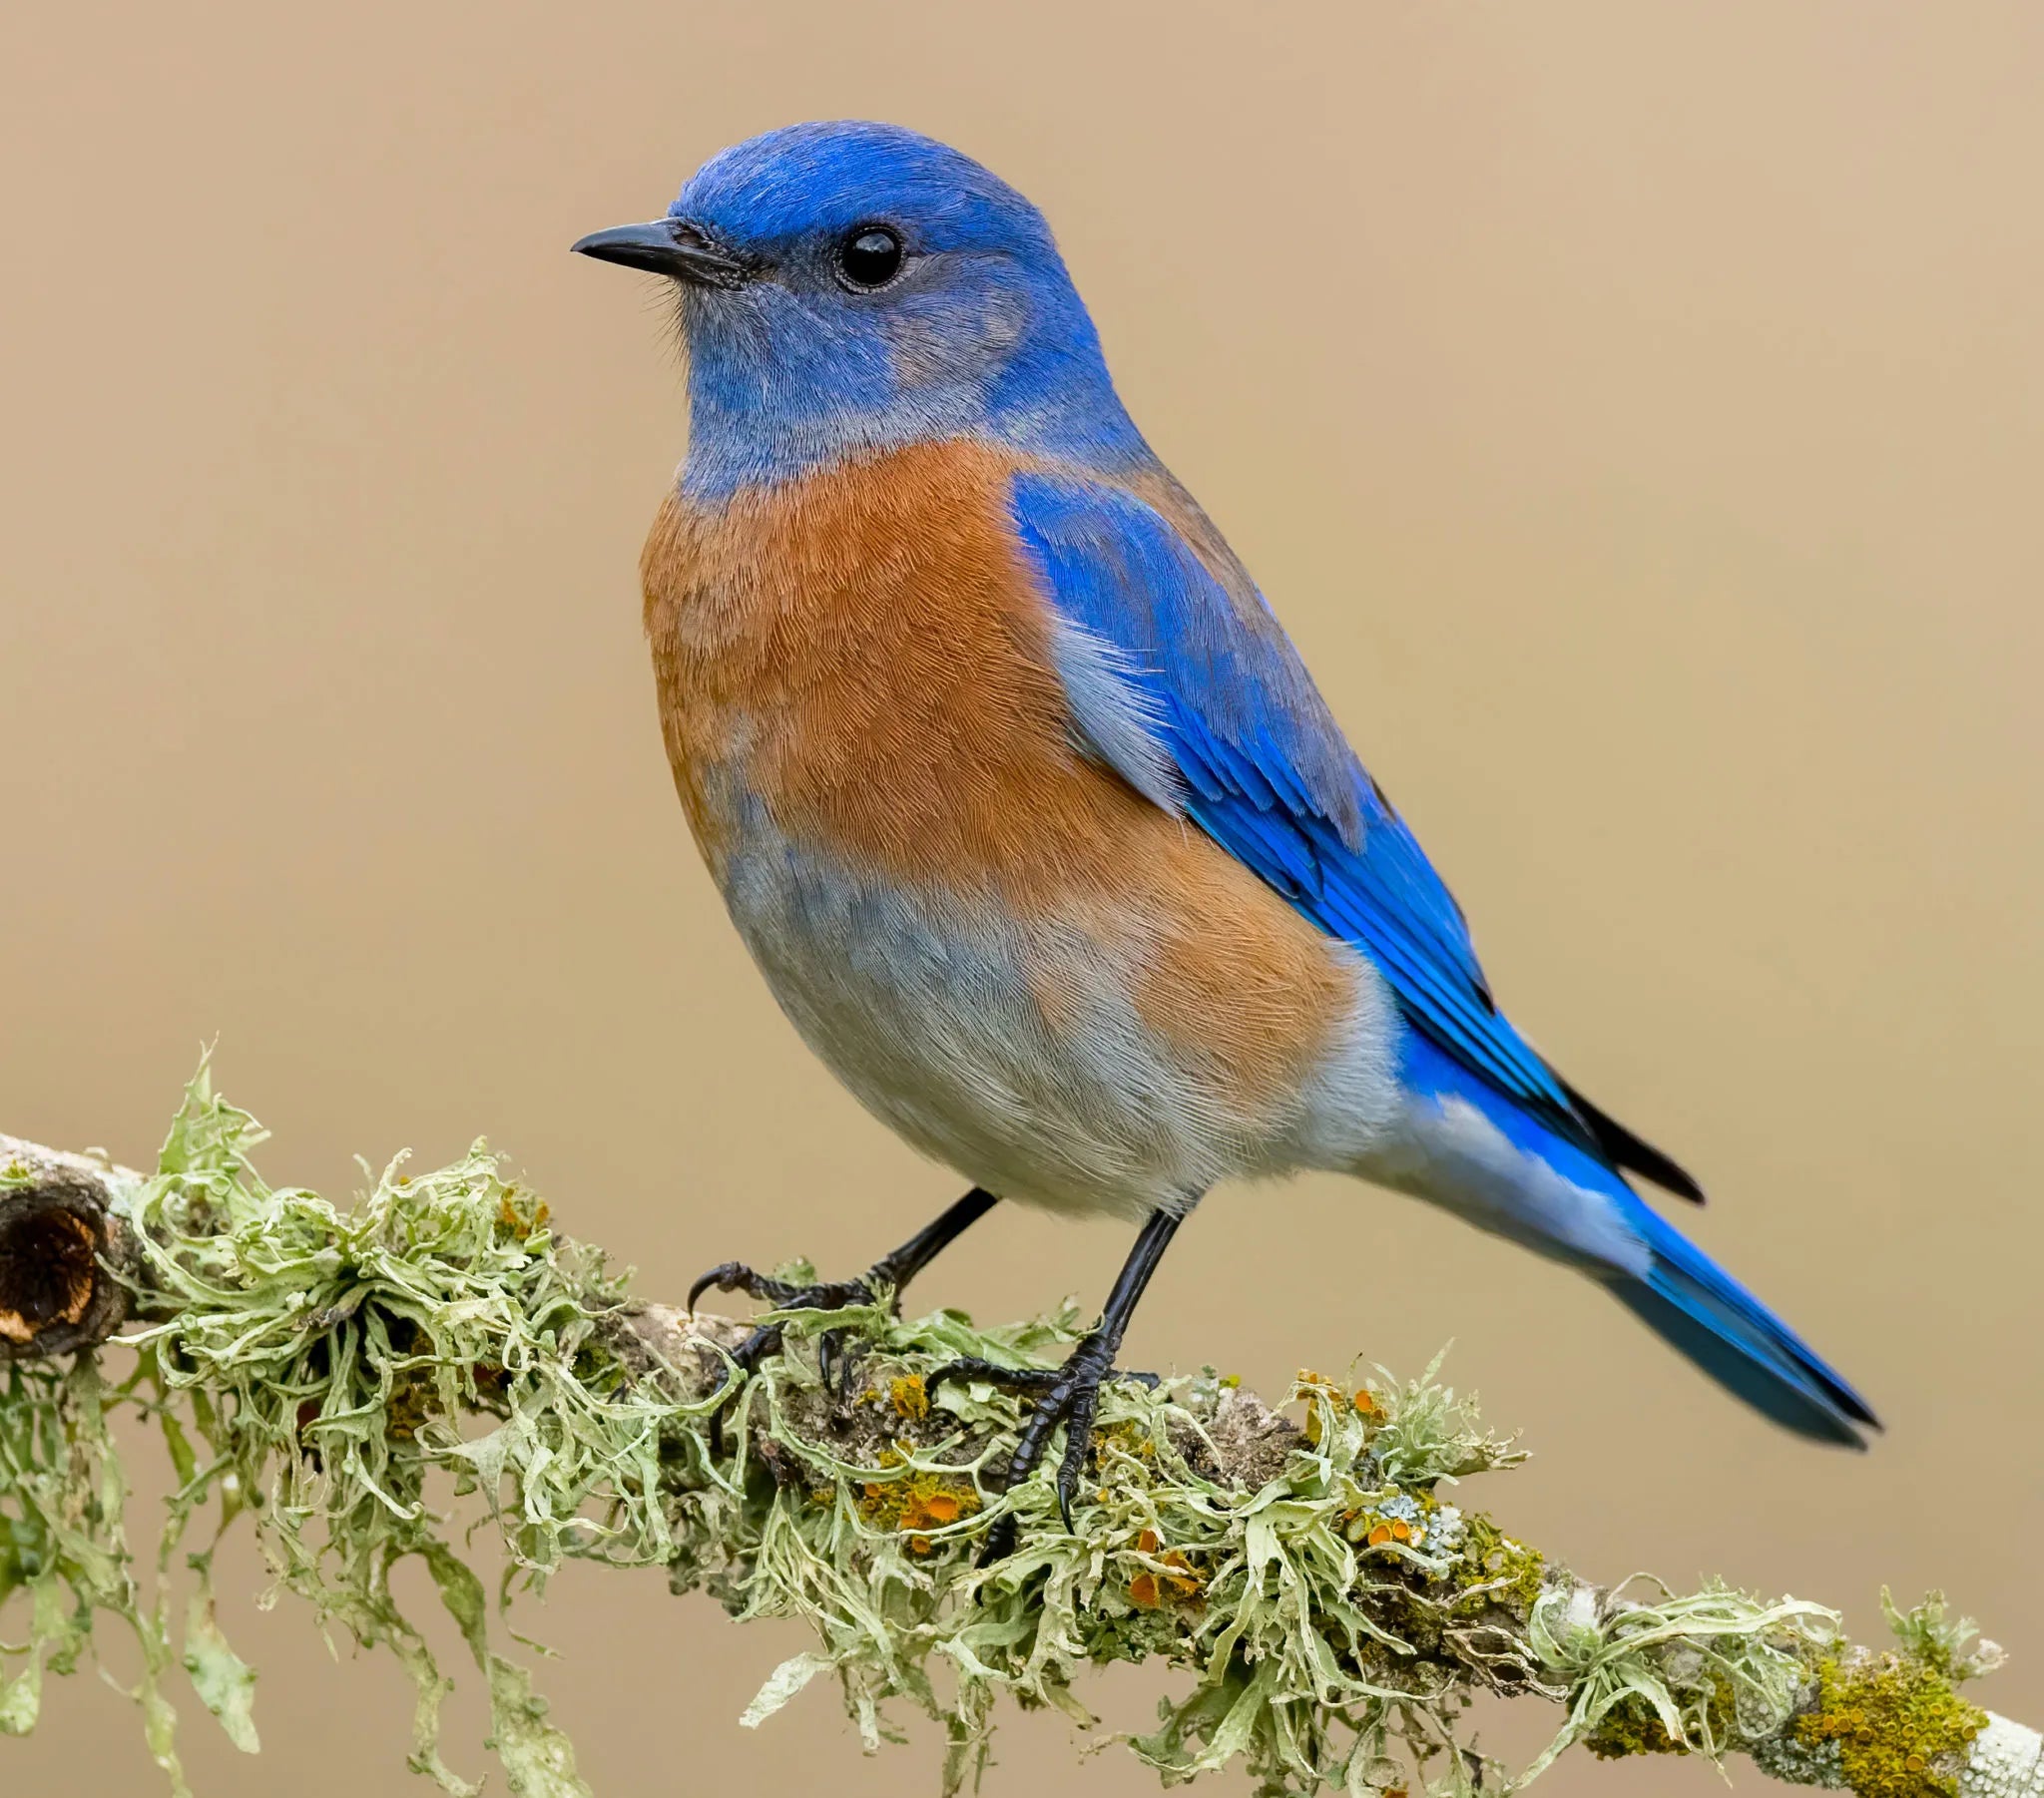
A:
[775,393]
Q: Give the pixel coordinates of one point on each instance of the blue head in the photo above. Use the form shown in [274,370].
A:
[845,287]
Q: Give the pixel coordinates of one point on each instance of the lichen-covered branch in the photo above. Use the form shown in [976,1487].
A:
[1332,1600]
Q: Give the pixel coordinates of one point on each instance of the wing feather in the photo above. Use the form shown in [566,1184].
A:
[1188,678]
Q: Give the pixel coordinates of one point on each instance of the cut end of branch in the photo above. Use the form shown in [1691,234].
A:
[59,1237]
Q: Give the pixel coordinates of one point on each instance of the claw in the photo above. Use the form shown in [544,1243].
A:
[1078,1442]
[1000,1541]
[888,1274]
[824,1296]
[715,1277]
[838,1359]
[1069,1395]
[736,1276]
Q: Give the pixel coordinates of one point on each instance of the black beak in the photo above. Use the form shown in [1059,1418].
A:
[670,247]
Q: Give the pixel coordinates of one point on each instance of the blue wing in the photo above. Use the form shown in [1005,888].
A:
[1189,689]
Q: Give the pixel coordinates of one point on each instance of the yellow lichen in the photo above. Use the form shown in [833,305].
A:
[1489,1557]
[1901,1729]
[909,1398]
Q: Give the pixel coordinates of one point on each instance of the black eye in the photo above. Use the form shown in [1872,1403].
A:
[870,257]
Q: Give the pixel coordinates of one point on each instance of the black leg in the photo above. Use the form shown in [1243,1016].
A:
[889,1274]
[1071,1395]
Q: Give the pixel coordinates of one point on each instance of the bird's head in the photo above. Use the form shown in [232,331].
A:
[849,287]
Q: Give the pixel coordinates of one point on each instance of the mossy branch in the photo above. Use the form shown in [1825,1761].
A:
[1314,1572]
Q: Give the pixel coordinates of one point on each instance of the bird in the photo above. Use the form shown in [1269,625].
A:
[1026,805]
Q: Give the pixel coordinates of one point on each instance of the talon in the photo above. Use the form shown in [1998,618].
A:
[1069,1395]
[1000,1541]
[736,1276]
[851,1354]
[836,1360]
[746,1357]
[1085,1404]
[716,1278]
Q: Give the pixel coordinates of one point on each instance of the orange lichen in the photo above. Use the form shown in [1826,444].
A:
[917,1503]
[941,1507]
[1172,1577]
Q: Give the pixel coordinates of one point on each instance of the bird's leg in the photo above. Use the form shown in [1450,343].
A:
[889,1274]
[1069,1394]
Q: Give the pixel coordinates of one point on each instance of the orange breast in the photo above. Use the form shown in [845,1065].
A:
[863,654]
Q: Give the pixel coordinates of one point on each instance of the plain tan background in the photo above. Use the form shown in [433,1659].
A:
[1637,413]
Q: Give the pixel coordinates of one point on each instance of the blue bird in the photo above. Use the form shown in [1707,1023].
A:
[1027,807]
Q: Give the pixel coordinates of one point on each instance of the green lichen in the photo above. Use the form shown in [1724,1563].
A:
[1662,1673]
[1325,1605]
[1949,1645]
[1633,1725]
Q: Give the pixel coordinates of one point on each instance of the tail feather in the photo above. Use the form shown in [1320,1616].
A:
[1523,1180]
[1704,1313]
[1626,1149]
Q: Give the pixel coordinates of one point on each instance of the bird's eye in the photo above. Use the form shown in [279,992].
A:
[869,257]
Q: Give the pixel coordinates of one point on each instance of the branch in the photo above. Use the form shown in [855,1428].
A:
[1330,1600]
[61,1231]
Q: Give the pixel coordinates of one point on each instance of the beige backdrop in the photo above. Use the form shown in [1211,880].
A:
[1637,413]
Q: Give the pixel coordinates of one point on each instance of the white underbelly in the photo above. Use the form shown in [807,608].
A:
[923,1008]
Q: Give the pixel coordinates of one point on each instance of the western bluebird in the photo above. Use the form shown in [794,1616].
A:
[1023,800]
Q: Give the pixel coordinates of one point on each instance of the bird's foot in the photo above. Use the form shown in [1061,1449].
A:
[836,1358]
[1069,1395]
[790,1296]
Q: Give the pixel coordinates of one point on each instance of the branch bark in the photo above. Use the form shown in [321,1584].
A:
[66,1251]
[75,1268]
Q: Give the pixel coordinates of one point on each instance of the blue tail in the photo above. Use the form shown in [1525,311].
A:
[1682,1296]
[1701,1310]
